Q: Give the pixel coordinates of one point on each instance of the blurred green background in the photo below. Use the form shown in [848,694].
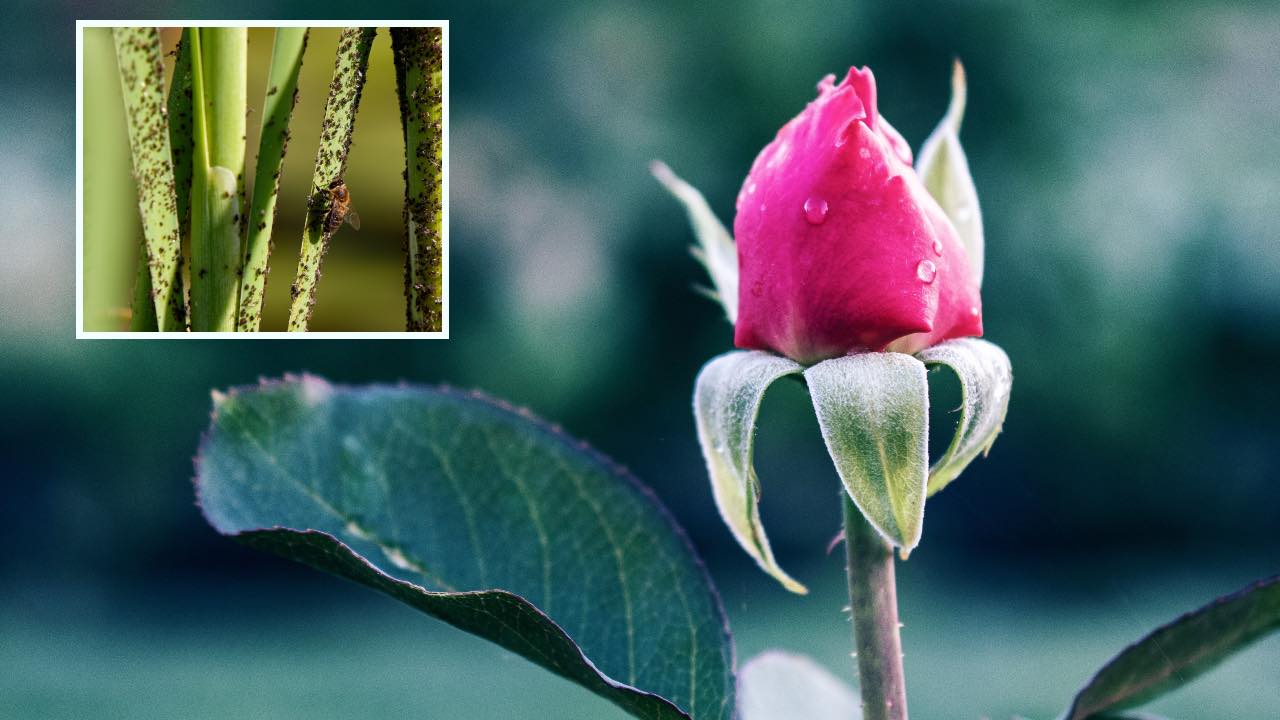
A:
[1128,164]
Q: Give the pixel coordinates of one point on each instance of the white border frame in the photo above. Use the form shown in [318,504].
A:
[82,334]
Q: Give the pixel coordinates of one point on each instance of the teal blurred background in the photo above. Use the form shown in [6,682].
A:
[1128,164]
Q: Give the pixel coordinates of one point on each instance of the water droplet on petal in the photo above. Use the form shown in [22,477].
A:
[751,188]
[937,246]
[926,271]
[779,155]
[815,210]
[974,311]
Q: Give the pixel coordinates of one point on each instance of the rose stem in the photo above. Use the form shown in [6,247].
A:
[873,599]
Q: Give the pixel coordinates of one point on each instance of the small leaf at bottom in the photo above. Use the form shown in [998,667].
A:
[776,685]
[1176,653]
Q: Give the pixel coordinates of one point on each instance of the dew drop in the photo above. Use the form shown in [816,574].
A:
[815,210]
[974,311]
[779,155]
[926,271]
[937,246]
[751,188]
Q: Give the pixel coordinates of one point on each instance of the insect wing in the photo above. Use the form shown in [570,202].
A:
[353,218]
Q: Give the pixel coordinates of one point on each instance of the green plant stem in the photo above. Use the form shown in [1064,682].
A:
[331,161]
[138,55]
[873,600]
[277,109]
[181,140]
[219,60]
[419,67]
[142,317]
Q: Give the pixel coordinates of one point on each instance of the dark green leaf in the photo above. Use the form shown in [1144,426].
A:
[478,514]
[1177,653]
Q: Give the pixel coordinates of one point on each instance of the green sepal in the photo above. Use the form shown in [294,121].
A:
[726,401]
[873,410]
[944,168]
[715,249]
[985,381]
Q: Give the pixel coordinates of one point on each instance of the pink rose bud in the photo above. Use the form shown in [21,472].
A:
[840,247]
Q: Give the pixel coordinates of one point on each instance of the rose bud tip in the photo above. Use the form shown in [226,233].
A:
[840,247]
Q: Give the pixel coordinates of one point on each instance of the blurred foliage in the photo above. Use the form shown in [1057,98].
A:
[1126,159]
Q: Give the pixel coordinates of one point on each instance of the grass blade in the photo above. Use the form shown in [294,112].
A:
[331,161]
[138,55]
[419,71]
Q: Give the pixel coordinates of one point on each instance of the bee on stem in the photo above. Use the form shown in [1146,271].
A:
[340,209]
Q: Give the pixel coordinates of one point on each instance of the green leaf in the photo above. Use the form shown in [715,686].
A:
[873,410]
[943,167]
[715,249]
[480,515]
[985,381]
[1177,653]
[726,401]
[776,685]
[138,55]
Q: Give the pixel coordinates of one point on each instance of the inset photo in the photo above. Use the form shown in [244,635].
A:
[282,179]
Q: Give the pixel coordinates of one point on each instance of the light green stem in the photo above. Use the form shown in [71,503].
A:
[277,109]
[873,600]
[142,317]
[419,67]
[182,137]
[219,61]
[331,161]
[138,55]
